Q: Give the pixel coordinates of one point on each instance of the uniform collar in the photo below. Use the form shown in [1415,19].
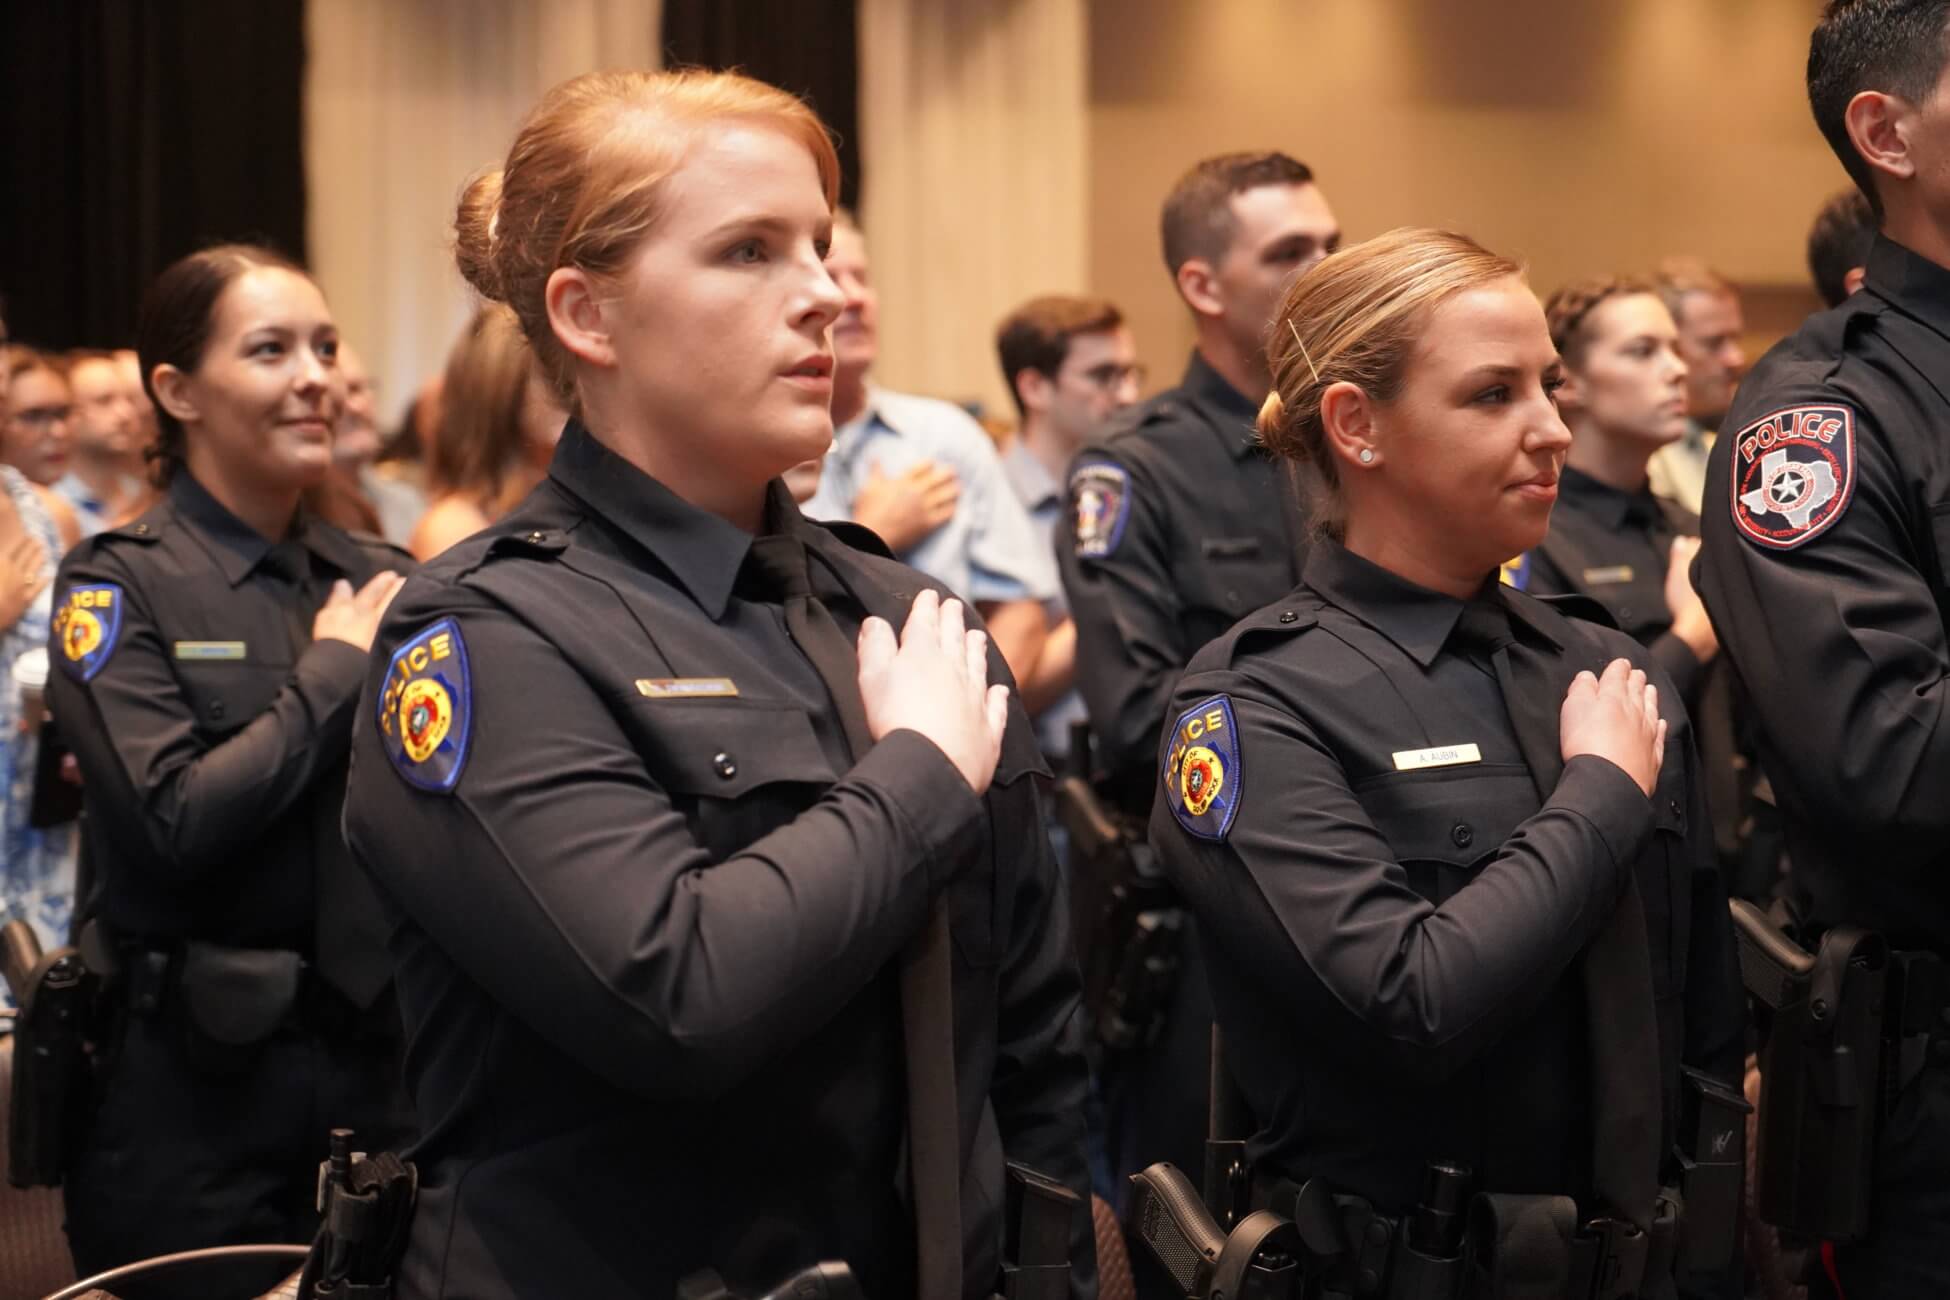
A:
[1608,505]
[702,551]
[235,545]
[1234,411]
[1912,282]
[1416,619]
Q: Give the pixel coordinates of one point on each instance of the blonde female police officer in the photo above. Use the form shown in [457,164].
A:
[1451,838]
[721,946]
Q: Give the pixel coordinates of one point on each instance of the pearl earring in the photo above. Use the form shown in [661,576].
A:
[1367,455]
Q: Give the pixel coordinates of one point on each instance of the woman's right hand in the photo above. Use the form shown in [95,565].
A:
[23,576]
[935,681]
[1616,717]
[354,617]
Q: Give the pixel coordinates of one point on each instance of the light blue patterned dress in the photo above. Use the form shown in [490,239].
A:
[36,867]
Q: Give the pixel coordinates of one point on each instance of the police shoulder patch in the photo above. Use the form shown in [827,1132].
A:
[1793,474]
[1203,776]
[1516,573]
[1100,503]
[87,626]
[426,714]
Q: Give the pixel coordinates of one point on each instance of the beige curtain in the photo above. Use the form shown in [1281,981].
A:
[406,100]
[973,121]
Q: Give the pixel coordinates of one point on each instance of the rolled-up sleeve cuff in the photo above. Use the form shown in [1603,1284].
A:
[928,789]
[1599,791]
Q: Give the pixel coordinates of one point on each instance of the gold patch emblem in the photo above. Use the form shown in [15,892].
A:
[81,633]
[426,714]
[1200,778]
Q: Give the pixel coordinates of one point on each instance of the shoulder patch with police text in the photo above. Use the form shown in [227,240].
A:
[426,713]
[1793,474]
[87,626]
[1204,779]
[1100,503]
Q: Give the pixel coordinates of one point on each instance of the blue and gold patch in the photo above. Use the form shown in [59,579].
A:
[87,625]
[1100,503]
[425,713]
[1203,776]
[1516,573]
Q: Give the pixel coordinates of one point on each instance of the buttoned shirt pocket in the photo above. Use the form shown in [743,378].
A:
[1235,575]
[737,768]
[1442,823]
[224,694]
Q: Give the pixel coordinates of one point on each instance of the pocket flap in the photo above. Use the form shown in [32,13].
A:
[723,748]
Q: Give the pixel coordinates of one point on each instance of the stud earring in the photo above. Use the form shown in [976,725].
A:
[1367,455]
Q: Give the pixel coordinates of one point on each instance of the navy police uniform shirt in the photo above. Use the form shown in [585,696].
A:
[1826,568]
[1394,909]
[211,730]
[1615,547]
[1179,525]
[649,914]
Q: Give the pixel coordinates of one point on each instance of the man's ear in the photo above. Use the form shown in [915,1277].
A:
[1198,285]
[174,395]
[579,315]
[1879,125]
[1035,389]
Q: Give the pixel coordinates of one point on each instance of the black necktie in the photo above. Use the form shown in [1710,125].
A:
[776,566]
[1621,1025]
[348,923]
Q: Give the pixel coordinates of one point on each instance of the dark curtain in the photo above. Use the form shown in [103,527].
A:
[810,47]
[132,132]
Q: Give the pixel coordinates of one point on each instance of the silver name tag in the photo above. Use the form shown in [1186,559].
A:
[1408,760]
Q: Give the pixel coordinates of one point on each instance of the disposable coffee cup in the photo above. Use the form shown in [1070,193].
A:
[30,679]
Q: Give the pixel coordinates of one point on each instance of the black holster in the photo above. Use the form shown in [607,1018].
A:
[233,1000]
[52,1084]
[1820,1066]
[1128,922]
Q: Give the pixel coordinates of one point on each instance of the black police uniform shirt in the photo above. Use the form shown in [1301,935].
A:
[1826,569]
[1616,547]
[212,732]
[1393,909]
[649,914]
[1179,525]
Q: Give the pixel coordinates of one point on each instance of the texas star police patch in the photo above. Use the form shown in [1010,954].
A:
[1100,499]
[1203,777]
[1793,474]
[87,625]
[425,711]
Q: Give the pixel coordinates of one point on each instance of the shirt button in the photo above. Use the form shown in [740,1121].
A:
[216,708]
[725,765]
[1288,616]
[1462,834]
[1674,805]
[534,537]
[1624,613]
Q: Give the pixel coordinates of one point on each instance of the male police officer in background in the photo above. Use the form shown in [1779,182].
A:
[1827,570]
[1179,525]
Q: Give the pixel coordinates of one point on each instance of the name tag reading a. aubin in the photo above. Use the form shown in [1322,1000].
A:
[1409,760]
[686,688]
[209,649]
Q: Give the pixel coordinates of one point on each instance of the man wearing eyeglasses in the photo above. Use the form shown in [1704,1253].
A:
[1070,364]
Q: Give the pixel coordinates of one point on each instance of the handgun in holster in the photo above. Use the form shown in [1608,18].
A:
[1820,1068]
[52,1084]
[1128,922]
[365,1205]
